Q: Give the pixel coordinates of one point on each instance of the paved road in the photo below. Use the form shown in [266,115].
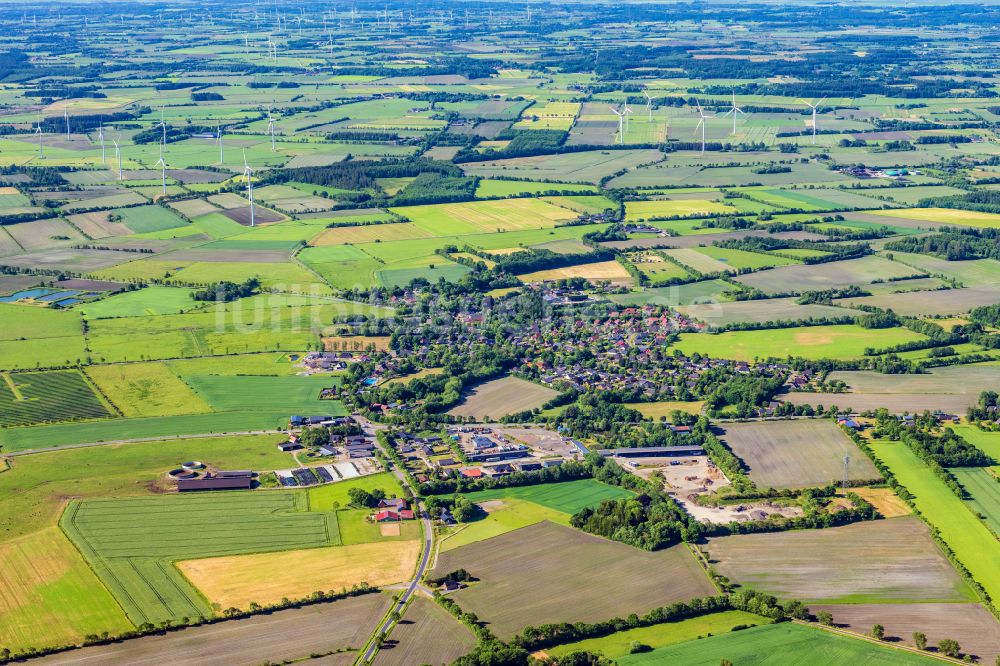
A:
[27,452]
[370,429]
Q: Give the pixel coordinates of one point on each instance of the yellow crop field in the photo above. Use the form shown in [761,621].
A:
[612,271]
[268,577]
[968,218]
[648,210]
[486,216]
[370,233]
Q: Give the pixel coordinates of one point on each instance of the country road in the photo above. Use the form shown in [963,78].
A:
[428,548]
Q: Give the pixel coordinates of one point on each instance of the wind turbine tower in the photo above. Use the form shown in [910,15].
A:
[218,139]
[100,136]
[735,110]
[66,118]
[621,124]
[701,124]
[649,104]
[248,174]
[814,108]
[38,133]
[118,156]
[270,128]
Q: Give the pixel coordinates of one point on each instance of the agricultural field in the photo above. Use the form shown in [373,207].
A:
[975,629]
[267,578]
[827,276]
[885,561]
[338,629]
[549,573]
[610,271]
[27,398]
[499,397]
[427,634]
[772,309]
[131,543]
[146,389]
[796,454]
[971,540]
[773,645]
[844,341]
[619,644]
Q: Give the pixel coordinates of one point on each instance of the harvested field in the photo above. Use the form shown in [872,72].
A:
[796,454]
[42,234]
[610,271]
[10,284]
[370,233]
[27,398]
[283,636]
[197,176]
[261,215]
[775,309]
[918,303]
[549,573]
[500,397]
[356,343]
[486,216]
[97,225]
[826,276]
[885,500]
[89,285]
[427,634]
[70,259]
[880,561]
[267,577]
[586,167]
[896,403]
[193,207]
[963,380]
[975,629]
[228,200]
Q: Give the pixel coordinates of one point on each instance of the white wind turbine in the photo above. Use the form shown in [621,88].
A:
[627,112]
[246,44]
[163,172]
[701,124]
[66,118]
[218,140]
[621,123]
[100,137]
[270,128]
[163,126]
[248,174]
[38,133]
[735,110]
[649,104]
[118,156]
[814,108]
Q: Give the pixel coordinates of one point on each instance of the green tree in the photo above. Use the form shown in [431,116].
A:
[824,618]
[920,639]
[878,632]
[949,647]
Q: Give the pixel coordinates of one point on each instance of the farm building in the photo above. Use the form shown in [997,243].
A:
[390,516]
[234,480]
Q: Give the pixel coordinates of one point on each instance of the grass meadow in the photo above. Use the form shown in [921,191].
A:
[973,543]
[846,341]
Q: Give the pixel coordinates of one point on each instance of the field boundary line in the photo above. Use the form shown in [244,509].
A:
[885,644]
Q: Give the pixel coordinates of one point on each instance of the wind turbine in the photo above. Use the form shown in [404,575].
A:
[270,128]
[162,125]
[118,156]
[627,112]
[814,107]
[246,44]
[66,117]
[38,133]
[701,124]
[649,104]
[100,136]
[218,139]
[163,172]
[735,110]
[248,174]
[621,123]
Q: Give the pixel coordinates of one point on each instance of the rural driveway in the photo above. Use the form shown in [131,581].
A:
[383,628]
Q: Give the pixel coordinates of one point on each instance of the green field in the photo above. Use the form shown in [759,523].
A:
[152,300]
[132,543]
[503,516]
[974,545]
[323,498]
[142,219]
[504,188]
[618,644]
[146,389]
[63,434]
[566,497]
[39,337]
[292,394]
[987,442]
[27,398]
[778,645]
[984,488]
[846,341]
